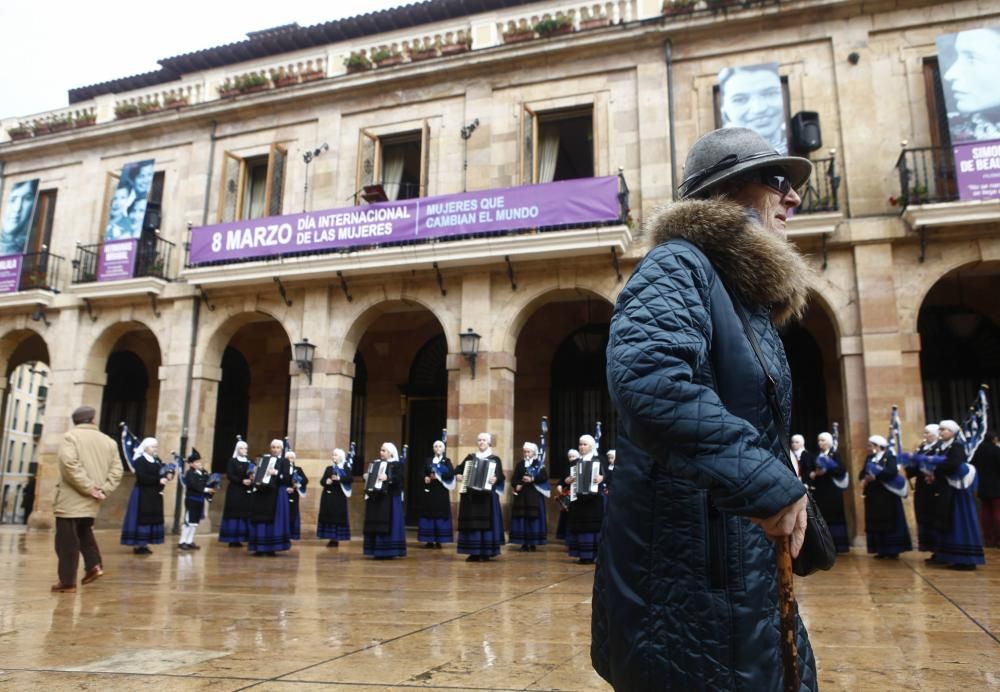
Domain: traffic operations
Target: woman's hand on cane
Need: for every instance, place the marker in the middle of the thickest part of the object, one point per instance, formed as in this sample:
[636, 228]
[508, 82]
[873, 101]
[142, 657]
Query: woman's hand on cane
[788, 521]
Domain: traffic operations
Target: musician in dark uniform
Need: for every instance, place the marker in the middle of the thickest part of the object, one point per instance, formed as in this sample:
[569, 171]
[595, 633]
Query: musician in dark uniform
[434, 525]
[480, 520]
[828, 479]
[143, 525]
[586, 512]
[295, 491]
[923, 491]
[562, 496]
[528, 523]
[334, 516]
[196, 492]
[385, 530]
[269, 514]
[802, 459]
[885, 522]
[235, 527]
[958, 539]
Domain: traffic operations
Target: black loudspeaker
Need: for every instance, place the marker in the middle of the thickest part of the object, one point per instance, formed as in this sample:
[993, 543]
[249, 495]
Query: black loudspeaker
[153, 218]
[806, 135]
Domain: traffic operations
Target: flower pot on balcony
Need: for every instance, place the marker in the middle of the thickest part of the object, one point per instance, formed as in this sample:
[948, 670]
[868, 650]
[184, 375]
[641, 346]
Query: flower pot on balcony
[389, 61]
[286, 80]
[148, 107]
[17, 133]
[175, 102]
[455, 48]
[673, 8]
[312, 75]
[418, 55]
[596, 23]
[60, 125]
[40, 128]
[85, 120]
[228, 92]
[254, 88]
[126, 110]
[518, 36]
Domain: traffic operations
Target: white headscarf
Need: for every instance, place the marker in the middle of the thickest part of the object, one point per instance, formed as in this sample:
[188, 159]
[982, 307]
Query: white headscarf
[393, 452]
[932, 428]
[951, 425]
[141, 449]
[825, 437]
[879, 441]
[593, 446]
[533, 448]
[236, 450]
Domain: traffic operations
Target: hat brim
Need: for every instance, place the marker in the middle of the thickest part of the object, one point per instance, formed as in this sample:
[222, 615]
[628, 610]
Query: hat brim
[797, 168]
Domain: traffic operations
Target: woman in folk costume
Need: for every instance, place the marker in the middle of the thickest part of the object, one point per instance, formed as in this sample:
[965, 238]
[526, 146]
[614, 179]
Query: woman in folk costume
[385, 530]
[802, 459]
[923, 488]
[269, 515]
[295, 491]
[434, 526]
[197, 493]
[562, 496]
[334, 516]
[884, 490]
[609, 473]
[528, 524]
[143, 525]
[586, 512]
[958, 541]
[235, 526]
[828, 479]
[480, 520]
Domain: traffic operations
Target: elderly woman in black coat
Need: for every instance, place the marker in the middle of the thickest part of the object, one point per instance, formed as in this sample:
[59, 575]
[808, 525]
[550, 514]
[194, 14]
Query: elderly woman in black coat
[686, 590]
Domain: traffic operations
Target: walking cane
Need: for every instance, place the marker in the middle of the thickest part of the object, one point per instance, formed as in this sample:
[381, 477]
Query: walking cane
[786, 602]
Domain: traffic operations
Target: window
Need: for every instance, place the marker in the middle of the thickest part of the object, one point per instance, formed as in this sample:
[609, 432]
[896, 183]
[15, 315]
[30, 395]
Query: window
[10, 456]
[31, 381]
[558, 144]
[17, 408]
[27, 417]
[397, 161]
[20, 377]
[20, 466]
[252, 187]
[41, 227]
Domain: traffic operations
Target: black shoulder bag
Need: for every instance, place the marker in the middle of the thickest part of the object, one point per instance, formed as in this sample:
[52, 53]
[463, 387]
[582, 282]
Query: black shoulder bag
[818, 551]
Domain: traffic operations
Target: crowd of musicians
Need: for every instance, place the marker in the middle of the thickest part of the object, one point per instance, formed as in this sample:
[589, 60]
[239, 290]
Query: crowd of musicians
[262, 496]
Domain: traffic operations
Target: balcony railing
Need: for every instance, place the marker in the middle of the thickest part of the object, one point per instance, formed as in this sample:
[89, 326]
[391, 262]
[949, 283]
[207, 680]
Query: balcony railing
[821, 191]
[41, 271]
[153, 255]
[926, 176]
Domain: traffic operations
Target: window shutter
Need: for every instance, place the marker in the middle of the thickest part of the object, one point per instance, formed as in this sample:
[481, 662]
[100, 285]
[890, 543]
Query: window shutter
[230, 187]
[274, 193]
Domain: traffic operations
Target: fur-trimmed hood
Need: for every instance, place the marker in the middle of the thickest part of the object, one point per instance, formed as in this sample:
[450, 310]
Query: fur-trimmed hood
[760, 267]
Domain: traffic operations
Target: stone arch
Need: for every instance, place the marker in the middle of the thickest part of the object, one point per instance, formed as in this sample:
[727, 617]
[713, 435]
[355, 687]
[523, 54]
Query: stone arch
[368, 312]
[516, 313]
[16, 342]
[104, 344]
[210, 350]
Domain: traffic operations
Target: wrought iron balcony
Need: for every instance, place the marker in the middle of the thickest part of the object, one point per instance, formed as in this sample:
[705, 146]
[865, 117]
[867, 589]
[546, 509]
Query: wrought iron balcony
[926, 176]
[821, 192]
[85, 264]
[152, 259]
[41, 271]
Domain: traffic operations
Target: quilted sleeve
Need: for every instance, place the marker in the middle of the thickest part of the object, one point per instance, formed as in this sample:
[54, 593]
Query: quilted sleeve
[660, 336]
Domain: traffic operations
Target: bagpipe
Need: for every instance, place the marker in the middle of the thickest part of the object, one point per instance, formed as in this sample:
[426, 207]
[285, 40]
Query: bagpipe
[438, 470]
[127, 448]
[344, 472]
[896, 485]
[830, 465]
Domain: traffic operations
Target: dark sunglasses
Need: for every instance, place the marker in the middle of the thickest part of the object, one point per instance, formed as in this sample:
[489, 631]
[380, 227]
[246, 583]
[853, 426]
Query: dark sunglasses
[774, 178]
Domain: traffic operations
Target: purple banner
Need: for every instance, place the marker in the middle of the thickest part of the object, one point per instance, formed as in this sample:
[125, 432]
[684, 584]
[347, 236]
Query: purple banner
[10, 273]
[116, 260]
[978, 167]
[569, 202]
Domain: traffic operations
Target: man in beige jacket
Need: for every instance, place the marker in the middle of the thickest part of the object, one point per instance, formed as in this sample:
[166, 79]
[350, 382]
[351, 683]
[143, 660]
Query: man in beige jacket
[89, 470]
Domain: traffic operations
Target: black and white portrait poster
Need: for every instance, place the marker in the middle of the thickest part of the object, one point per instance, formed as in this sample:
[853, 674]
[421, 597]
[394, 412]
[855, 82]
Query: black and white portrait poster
[752, 97]
[128, 201]
[18, 213]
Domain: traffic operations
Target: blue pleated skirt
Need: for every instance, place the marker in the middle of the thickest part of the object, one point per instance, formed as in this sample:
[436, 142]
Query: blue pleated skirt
[531, 531]
[392, 544]
[234, 531]
[840, 538]
[484, 543]
[134, 533]
[963, 544]
[892, 542]
[334, 532]
[435, 530]
[561, 526]
[272, 536]
[295, 525]
[582, 545]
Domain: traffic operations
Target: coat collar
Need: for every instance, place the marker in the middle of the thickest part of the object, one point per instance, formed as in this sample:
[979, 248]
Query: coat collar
[759, 267]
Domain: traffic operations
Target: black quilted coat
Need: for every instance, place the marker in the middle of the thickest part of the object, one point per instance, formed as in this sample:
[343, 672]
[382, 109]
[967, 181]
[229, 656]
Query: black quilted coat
[685, 593]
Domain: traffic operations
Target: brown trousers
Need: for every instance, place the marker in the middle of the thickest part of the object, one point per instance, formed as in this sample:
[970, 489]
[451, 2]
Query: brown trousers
[73, 537]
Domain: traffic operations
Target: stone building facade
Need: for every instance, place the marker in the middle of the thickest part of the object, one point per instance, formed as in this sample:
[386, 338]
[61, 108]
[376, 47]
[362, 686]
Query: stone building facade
[197, 354]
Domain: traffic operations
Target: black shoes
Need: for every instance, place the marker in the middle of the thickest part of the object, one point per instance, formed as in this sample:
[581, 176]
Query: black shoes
[332, 543]
[962, 568]
[428, 545]
[142, 550]
[236, 545]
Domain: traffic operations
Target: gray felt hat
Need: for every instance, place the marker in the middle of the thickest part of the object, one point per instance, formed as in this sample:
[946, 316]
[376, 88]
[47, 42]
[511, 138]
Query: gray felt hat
[728, 153]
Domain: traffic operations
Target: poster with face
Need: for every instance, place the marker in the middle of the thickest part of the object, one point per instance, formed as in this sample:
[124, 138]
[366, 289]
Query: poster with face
[752, 97]
[17, 216]
[128, 201]
[970, 62]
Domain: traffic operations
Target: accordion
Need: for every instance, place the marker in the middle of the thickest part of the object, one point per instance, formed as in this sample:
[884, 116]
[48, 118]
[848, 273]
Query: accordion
[478, 473]
[584, 473]
[373, 486]
[260, 475]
